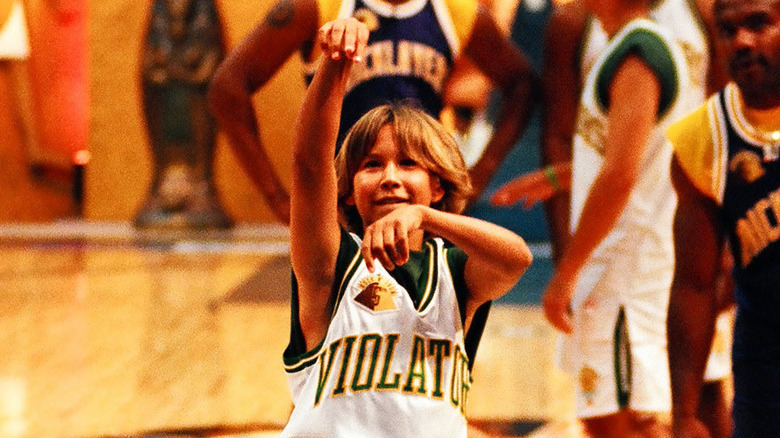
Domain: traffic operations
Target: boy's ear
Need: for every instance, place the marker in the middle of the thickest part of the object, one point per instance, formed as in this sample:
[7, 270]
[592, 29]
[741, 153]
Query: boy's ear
[437, 191]
[350, 200]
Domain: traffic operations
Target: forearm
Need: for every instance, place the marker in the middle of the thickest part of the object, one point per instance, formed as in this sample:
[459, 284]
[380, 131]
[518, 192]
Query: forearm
[314, 235]
[558, 206]
[690, 327]
[319, 118]
[605, 203]
[501, 253]
[313, 172]
[518, 102]
[557, 212]
[230, 103]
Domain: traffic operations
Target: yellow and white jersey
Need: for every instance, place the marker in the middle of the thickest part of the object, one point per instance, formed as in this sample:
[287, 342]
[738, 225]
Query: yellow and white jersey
[13, 31]
[683, 20]
[717, 140]
[641, 239]
[390, 365]
[737, 165]
[700, 144]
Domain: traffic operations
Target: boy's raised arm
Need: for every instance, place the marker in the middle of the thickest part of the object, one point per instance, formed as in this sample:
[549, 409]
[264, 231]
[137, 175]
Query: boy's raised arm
[314, 229]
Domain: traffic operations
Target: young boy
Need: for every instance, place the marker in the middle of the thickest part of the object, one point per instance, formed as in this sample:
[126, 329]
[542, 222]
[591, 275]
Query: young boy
[381, 311]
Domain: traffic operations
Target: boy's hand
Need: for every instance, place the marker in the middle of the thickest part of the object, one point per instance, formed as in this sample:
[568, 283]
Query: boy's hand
[345, 37]
[387, 239]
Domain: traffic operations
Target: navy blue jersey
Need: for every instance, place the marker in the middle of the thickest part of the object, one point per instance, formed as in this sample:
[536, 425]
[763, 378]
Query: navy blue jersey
[410, 54]
[750, 212]
[737, 166]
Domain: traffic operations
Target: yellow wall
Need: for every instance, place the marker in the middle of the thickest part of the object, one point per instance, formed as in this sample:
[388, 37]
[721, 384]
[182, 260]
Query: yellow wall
[120, 172]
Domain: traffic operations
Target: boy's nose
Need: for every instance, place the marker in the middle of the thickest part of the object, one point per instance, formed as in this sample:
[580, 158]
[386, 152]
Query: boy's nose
[390, 175]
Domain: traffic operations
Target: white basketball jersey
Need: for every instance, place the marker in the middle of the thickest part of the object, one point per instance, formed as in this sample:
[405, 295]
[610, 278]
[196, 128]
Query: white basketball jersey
[638, 251]
[387, 367]
[682, 19]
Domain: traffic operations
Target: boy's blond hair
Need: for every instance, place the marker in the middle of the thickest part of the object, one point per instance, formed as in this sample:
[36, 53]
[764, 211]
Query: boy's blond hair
[421, 138]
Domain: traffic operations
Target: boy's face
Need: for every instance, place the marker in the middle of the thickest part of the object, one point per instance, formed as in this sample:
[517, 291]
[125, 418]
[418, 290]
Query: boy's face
[387, 179]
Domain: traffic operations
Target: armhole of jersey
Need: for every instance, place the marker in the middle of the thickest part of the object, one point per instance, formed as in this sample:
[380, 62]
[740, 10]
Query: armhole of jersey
[585, 40]
[699, 149]
[655, 53]
[456, 263]
[457, 18]
[432, 275]
[295, 355]
[474, 334]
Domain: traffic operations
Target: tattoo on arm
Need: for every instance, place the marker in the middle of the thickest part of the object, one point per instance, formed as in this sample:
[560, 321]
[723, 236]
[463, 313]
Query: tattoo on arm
[281, 14]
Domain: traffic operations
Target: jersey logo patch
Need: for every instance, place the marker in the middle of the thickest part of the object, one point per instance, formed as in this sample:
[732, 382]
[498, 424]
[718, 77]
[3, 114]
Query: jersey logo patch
[587, 380]
[376, 293]
[367, 17]
[746, 166]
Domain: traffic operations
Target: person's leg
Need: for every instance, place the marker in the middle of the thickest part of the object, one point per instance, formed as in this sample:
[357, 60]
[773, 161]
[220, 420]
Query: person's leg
[715, 400]
[626, 424]
[714, 408]
[23, 104]
[609, 426]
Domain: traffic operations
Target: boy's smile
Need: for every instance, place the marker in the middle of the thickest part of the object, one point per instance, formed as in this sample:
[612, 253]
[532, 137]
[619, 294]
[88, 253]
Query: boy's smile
[387, 178]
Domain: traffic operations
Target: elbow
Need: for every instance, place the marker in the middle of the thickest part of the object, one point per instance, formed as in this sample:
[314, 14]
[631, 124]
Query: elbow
[524, 260]
[226, 92]
[520, 260]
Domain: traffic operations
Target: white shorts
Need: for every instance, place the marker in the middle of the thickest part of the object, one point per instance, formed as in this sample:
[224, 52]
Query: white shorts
[13, 34]
[617, 355]
[719, 361]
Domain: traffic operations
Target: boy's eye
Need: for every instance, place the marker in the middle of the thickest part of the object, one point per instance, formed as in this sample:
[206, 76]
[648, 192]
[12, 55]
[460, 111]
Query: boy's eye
[371, 164]
[408, 162]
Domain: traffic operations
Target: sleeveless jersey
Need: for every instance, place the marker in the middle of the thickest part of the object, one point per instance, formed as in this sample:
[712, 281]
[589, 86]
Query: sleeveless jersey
[409, 56]
[637, 254]
[683, 20]
[732, 163]
[390, 365]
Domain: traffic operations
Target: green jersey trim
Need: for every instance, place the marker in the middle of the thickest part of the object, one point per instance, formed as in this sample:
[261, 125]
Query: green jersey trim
[295, 356]
[432, 280]
[655, 53]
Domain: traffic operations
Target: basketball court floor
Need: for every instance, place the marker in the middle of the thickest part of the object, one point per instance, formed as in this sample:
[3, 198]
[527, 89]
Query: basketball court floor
[112, 332]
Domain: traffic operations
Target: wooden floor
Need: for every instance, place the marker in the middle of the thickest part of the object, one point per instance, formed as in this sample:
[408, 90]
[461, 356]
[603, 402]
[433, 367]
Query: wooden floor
[110, 332]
